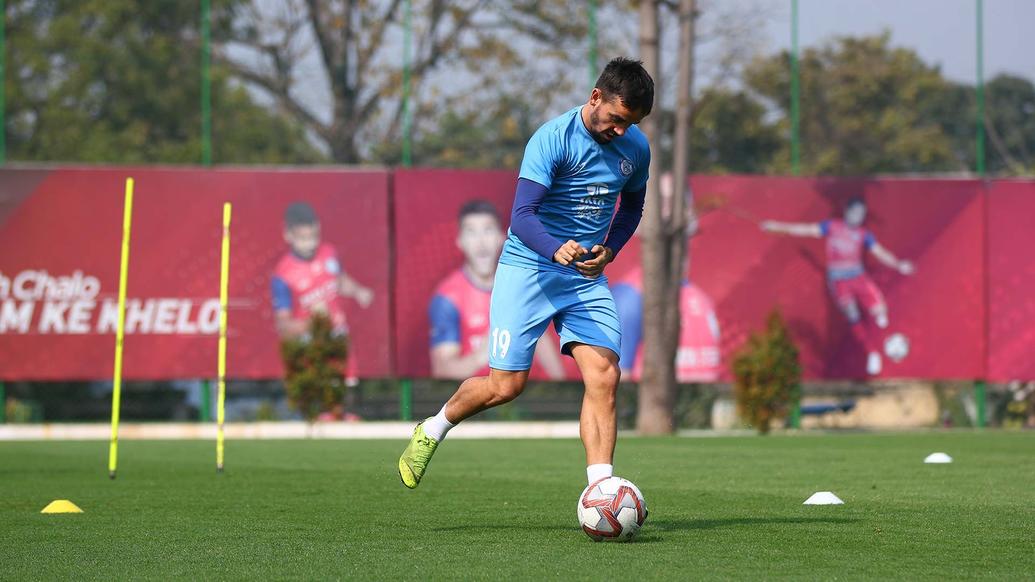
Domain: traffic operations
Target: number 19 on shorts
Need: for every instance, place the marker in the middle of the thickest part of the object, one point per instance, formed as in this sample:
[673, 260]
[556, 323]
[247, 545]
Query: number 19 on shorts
[500, 342]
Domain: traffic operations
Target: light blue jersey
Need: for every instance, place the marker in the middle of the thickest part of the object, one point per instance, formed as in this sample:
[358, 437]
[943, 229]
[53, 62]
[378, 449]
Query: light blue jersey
[584, 179]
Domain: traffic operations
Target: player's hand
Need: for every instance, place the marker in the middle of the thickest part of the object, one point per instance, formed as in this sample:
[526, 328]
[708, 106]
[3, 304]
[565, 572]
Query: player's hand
[906, 268]
[364, 296]
[594, 267]
[568, 252]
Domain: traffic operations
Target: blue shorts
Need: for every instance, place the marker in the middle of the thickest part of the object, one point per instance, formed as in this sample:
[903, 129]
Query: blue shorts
[525, 301]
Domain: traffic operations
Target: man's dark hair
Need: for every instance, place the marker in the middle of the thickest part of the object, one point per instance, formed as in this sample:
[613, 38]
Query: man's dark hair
[853, 201]
[478, 206]
[628, 80]
[300, 214]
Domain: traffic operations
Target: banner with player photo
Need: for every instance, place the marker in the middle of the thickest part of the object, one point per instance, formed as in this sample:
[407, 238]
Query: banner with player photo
[1011, 280]
[60, 239]
[921, 314]
[449, 229]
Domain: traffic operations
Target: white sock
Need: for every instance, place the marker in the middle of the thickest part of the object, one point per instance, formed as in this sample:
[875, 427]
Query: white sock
[437, 426]
[599, 471]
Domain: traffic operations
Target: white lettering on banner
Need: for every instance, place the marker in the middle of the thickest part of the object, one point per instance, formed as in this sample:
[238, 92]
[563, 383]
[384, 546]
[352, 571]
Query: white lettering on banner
[109, 319]
[139, 317]
[53, 318]
[208, 318]
[40, 285]
[183, 323]
[79, 317]
[69, 305]
[15, 317]
[161, 316]
[166, 314]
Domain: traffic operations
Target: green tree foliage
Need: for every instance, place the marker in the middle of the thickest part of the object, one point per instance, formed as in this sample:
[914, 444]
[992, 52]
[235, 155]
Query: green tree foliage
[313, 368]
[731, 133]
[493, 136]
[1010, 119]
[120, 81]
[353, 50]
[866, 107]
[767, 374]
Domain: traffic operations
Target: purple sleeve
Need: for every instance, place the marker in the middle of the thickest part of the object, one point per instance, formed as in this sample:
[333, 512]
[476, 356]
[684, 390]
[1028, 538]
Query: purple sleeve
[281, 294]
[824, 228]
[626, 220]
[445, 321]
[869, 240]
[524, 220]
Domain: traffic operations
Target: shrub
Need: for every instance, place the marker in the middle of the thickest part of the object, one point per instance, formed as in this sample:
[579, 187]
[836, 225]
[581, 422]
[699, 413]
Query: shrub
[767, 374]
[314, 368]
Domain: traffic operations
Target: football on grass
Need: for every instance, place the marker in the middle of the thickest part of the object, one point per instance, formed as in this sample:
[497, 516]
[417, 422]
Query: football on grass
[612, 510]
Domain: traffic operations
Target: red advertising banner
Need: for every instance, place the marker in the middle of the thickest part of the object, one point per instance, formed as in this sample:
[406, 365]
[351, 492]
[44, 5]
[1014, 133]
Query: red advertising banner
[907, 285]
[449, 229]
[1011, 275]
[60, 238]
[925, 324]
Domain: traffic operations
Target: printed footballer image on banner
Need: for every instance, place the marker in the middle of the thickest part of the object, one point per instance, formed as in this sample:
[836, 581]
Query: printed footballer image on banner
[303, 242]
[877, 278]
[698, 356]
[450, 229]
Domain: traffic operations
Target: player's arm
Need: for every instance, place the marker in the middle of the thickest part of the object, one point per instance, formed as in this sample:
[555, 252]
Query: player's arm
[805, 229]
[287, 326]
[349, 287]
[445, 354]
[525, 224]
[543, 155]
[448, 364]
[548, 354]
[887, 258]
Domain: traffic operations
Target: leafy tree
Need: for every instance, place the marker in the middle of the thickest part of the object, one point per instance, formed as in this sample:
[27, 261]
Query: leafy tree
[1010, 123]
[335, 66]
[492, 136]
[767, 374]
[867, 107]
[731, 133]
[119, 81]
[313, 368]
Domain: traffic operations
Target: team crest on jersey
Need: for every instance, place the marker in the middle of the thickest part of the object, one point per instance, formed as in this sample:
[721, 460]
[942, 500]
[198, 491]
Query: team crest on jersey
[332, 266]
[626, 167]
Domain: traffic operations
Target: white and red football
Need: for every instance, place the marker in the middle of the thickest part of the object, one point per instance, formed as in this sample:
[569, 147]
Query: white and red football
[612, 510]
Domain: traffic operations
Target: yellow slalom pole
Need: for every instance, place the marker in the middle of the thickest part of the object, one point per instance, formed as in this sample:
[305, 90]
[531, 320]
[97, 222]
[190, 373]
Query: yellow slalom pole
[127, 219]
[224, 275]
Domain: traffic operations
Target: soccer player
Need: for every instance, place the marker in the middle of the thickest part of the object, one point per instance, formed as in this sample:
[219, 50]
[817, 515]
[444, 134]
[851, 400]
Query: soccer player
[561, 238]
[459, 309]
[851, 288]
[309, 279]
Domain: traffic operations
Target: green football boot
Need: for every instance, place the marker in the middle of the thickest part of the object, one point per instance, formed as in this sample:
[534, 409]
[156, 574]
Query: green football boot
[414, 460]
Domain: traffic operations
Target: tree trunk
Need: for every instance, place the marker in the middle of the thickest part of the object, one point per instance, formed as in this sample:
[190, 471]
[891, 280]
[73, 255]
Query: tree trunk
[664, 234]
[654, 411]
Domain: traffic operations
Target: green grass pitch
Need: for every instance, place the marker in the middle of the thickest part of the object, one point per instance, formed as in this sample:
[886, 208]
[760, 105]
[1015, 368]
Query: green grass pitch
[726, 508]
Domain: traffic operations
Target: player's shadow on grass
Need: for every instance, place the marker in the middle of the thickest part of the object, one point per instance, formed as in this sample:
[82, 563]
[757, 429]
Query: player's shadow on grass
[682, 524]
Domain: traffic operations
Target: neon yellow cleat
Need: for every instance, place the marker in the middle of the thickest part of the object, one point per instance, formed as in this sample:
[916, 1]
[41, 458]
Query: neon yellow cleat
[414, 460]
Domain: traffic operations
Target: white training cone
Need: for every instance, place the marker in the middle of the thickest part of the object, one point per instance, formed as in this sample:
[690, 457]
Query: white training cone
[938, 458]
[823, 498]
